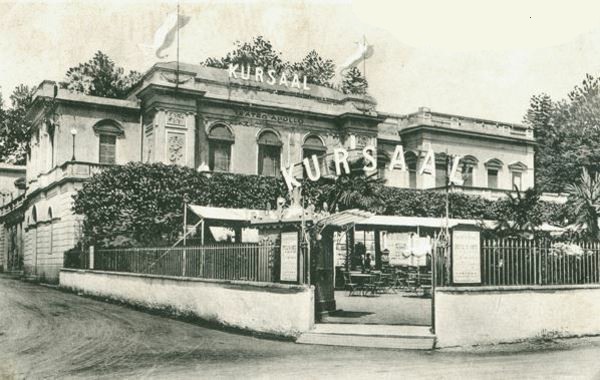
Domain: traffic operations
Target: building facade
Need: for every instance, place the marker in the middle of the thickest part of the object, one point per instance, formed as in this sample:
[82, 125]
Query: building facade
[240, 122]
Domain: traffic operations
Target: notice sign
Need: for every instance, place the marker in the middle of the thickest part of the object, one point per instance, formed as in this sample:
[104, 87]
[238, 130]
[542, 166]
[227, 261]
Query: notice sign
[289, 257]
[466, 257]
[399, 245]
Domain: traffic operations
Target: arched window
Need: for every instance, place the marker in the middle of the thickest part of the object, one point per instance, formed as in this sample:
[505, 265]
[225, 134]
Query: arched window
[313, 145]
[220, 139]
[493, 166]
[51, 238]
[269, 154]
[108, 131]
[467, 165]
[410, 158]
[34, 215]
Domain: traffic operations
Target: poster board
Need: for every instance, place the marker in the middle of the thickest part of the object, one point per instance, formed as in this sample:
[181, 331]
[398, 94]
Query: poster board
[289, 257]
[421, 248]
[399, 245]
[466, 256]
[339, 249]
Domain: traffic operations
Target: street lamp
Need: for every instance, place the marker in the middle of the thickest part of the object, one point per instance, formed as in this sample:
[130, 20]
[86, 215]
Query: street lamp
[73, 133]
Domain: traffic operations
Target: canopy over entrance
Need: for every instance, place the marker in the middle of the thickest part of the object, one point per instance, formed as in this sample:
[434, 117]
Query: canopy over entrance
[366, 220]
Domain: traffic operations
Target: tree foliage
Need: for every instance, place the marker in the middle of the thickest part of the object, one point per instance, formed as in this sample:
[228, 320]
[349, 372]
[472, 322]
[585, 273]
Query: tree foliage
[568, 135]
[585, 200]
[353, 82]
[15, 131]
[142, 204]
[100, 76]
[259, 52]
[518, 217]
[318, 70]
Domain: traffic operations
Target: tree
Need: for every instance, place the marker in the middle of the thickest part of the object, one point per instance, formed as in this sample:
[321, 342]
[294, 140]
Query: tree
[100, 77]
[519, 218]
[15, 131]
[353, 82]
[257, 53]
[585, 200]
[356, 189]
[141, 204]
[568, 135]
[318, 70]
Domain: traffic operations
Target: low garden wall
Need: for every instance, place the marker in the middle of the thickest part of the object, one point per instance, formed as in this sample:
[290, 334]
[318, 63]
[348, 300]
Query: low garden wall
[487, 315]
[277, 309]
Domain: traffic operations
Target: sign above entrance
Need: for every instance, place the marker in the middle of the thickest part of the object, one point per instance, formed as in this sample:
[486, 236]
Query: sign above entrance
[267, 76]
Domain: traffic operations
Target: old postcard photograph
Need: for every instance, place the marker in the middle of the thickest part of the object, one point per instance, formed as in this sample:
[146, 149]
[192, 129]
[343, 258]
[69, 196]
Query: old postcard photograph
[300, 189]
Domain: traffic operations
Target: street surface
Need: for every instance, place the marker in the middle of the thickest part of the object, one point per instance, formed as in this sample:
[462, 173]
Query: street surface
[45, 333]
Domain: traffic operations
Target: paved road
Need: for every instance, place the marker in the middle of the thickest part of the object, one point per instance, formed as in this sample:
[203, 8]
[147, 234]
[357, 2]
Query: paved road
[45, 333]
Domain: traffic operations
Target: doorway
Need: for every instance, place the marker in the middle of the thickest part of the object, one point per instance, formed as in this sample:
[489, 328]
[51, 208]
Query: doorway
[381, 276]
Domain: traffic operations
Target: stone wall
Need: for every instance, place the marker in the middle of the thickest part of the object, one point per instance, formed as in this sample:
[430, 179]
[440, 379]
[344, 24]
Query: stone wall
[278, 309]
[488, 315]
[46, 239]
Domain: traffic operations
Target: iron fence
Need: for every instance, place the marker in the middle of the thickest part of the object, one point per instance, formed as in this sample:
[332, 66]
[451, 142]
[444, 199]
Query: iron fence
[523, 262]
[250, 262]
[76, 259]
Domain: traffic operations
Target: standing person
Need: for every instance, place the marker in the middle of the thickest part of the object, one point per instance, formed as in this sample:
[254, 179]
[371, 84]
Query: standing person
[367, 264]
[359, 255]
[385, 259]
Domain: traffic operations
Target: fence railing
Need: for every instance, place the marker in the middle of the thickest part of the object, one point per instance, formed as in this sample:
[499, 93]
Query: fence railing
[250, 262]
[76, 259]
[522, 262]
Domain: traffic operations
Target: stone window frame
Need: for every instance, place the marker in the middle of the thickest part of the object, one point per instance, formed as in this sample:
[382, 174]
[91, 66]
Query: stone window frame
[517, 167]
[108, 127]
[493, 164]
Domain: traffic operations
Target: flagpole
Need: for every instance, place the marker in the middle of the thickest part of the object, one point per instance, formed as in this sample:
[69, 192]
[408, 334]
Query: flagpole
[177, 69]
[364, 59]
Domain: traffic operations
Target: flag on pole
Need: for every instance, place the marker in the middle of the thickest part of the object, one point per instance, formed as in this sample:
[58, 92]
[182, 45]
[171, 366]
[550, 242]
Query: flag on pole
[363, 52]
[167, 32]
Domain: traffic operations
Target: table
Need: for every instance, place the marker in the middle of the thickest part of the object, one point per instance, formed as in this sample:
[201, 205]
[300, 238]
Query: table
[365, 280]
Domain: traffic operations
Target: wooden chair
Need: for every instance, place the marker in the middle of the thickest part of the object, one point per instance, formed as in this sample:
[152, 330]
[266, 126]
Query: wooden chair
[412, 281]
[370, 287]
[350, 286]
[425, 280]
[378, 282]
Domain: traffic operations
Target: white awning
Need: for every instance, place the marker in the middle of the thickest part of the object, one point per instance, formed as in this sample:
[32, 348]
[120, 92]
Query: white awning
[414, 221]
[224, 214]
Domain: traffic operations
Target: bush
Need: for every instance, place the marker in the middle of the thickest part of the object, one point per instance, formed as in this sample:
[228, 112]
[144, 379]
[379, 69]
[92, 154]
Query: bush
[142, 204]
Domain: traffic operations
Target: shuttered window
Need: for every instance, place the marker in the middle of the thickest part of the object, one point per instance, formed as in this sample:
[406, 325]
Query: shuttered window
[108, 149]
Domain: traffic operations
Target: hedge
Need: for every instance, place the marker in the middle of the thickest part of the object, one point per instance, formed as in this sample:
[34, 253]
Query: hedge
[141, 204]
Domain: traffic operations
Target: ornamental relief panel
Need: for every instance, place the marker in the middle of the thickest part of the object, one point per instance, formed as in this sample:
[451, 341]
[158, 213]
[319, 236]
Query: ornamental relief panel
[176, 148]
[176, 118]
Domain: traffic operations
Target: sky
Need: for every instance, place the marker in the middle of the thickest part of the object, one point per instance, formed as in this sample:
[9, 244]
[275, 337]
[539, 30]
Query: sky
[467, 57]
